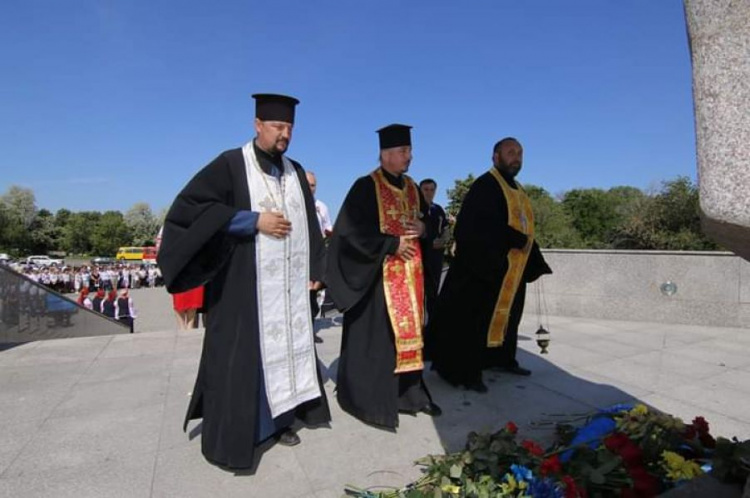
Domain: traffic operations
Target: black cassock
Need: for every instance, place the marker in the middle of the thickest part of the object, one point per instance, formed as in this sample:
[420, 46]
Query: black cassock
[366, 385]
[458, 328]
[196, 250]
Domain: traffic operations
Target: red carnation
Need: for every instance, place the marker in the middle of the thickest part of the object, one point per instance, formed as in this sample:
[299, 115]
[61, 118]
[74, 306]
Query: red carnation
[511, 427]
[616, 441]
[631, 454]
[690, 432]
[532, 448]
[700, 425]
[551, 465]
[571, 490]
[644, 484]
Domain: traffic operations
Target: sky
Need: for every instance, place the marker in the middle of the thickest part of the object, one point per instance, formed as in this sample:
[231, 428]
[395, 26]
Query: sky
[107, 103]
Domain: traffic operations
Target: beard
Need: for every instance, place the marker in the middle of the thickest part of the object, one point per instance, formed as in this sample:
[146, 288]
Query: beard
[511, 169]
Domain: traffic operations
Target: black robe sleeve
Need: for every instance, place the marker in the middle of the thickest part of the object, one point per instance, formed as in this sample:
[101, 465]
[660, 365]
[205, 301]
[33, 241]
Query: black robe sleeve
[357, 248]
[536, 266]
[194, 244]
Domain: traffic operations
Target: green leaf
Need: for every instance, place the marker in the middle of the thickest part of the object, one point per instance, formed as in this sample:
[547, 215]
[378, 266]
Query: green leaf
[609, 466]
[596, 477]
[456, 471]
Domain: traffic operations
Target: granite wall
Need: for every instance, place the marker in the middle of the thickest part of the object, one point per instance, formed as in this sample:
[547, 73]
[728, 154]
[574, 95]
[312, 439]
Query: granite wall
[719, 32]
[711, 288]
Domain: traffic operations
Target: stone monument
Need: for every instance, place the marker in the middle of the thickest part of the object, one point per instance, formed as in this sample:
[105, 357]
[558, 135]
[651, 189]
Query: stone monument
[719, 32]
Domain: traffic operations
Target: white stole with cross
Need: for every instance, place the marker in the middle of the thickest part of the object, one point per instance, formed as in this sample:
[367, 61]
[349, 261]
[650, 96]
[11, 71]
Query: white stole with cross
[283, 275]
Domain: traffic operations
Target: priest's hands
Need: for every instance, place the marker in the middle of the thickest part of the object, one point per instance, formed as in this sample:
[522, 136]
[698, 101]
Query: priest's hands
[274, 225]
[414, 228]
[407, 246]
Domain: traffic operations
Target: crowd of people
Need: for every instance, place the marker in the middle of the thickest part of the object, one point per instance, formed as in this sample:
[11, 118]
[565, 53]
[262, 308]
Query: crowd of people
[73, 279]
[100, 288]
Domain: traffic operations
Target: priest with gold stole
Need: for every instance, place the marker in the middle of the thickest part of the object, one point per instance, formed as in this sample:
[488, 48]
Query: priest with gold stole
[376, 277]
[475, 324]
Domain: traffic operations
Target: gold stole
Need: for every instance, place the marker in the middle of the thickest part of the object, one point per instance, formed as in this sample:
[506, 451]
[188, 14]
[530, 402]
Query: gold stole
[520, 217]
[403, 280]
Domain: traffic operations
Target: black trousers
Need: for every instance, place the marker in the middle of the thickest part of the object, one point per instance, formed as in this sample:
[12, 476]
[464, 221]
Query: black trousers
[127, 320]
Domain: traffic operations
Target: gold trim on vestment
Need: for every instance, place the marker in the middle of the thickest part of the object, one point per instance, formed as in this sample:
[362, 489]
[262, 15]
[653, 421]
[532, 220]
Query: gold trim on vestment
[520, 217]
[403, 280]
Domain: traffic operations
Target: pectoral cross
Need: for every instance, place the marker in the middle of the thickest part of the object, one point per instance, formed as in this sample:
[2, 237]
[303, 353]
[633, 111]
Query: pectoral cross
[268, 204]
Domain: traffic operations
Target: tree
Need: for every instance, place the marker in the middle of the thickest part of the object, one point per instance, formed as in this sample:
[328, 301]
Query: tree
[110, 233]
[593, 215]
[44, 235]
[5, 231]
[21, 203]
[455, 199]
[142, 223]
[627, 201]
[668, 220]
[553, 227]
[19, 211]
[457, 193]
[62, 217]
[79, 230]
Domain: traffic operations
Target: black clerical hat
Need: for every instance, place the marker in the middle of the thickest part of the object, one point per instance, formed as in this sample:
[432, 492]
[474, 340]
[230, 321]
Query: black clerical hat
[394, 135]
[273, 107]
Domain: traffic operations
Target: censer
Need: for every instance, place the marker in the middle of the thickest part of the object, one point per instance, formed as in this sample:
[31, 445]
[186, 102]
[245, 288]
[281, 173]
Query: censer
[542, 334]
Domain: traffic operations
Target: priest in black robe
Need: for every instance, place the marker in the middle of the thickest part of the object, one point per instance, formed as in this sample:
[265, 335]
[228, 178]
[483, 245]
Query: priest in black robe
[437, 237]
[376, 278]
[475, 324]
[218, 235]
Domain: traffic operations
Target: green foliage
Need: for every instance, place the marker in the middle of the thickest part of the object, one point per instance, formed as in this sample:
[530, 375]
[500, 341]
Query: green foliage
[457, 193]
[593, 215]
[44, 235]
[552, 224]
[668, 220]
[18, 213]
[110, 233]
[731, 461]
[77, 232]
[619, 218]
[25, 230]
[142, 223]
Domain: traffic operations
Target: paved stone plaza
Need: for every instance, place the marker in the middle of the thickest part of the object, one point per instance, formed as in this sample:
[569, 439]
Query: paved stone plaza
[102, 416]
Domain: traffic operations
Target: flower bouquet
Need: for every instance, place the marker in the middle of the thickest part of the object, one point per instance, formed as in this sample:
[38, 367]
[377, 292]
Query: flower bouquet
[628, 451]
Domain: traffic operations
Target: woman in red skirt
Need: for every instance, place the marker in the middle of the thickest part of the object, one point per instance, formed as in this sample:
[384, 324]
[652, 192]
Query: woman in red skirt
[186, 306]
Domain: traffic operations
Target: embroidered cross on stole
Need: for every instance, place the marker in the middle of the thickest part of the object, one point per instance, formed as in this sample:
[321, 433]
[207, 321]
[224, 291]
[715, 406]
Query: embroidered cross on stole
[520, 217]
[403, 280]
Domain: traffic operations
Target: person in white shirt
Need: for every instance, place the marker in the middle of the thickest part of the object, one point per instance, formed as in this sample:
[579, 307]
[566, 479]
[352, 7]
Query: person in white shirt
[324, 219]
[326, 229]
[124, 310]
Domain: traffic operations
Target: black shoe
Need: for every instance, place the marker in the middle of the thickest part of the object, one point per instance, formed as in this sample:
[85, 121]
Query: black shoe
[516, 370]
[431, 409]
[318, 340]
[477, 386]
[288, 438]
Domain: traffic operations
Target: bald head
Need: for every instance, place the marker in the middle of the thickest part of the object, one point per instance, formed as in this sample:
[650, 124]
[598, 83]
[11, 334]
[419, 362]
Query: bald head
[312, 181]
